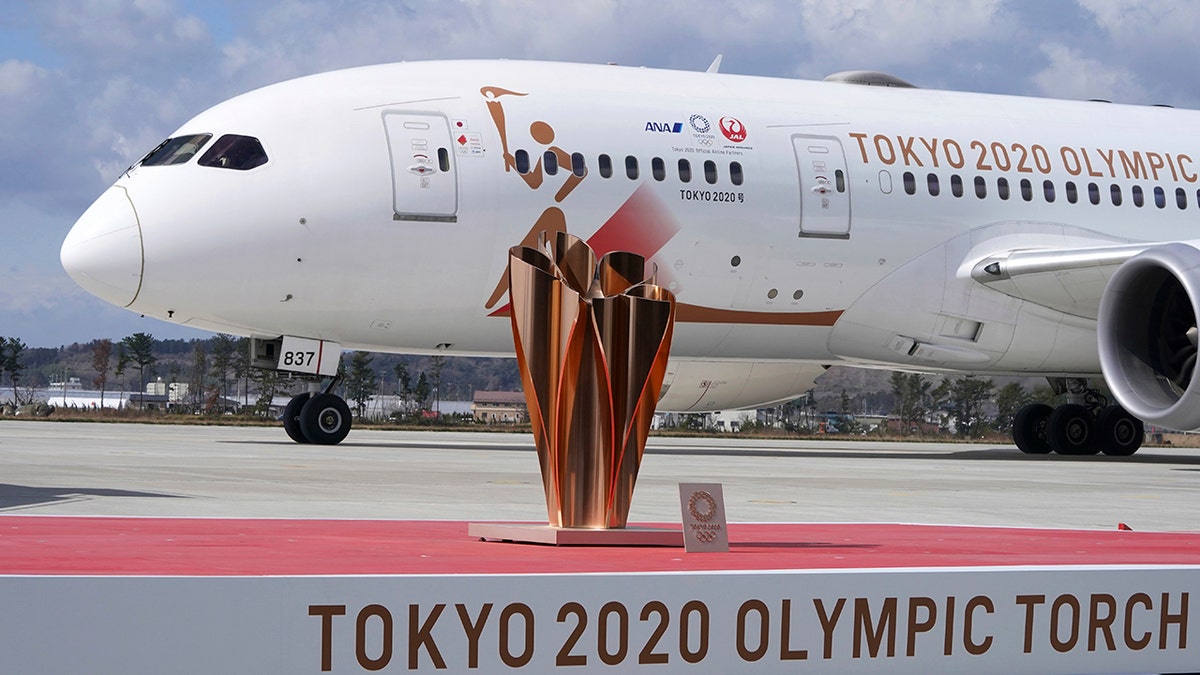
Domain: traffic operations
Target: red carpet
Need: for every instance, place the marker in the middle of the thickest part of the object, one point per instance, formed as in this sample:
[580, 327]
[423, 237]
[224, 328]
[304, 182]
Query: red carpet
[48, 545]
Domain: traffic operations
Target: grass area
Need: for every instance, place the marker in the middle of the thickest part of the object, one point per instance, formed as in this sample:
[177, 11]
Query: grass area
[156, 417]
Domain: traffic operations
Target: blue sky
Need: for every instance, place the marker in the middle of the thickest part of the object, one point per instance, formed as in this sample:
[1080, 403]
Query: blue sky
[89, 86]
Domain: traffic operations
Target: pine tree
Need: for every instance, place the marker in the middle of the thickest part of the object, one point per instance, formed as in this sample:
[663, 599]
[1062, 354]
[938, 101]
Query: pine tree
[139, 348]
[360, 381]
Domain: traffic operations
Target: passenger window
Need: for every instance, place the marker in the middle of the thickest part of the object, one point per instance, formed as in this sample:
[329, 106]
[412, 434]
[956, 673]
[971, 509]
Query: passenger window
[1160, 198]
[1048, 191]
[935, 187]
[1093, 193]
[175, 150]
[1002, 187]
[1072, 192]
[1026, 190]
[910, 183]
[521, 160]
[550, 163]
[956, 186]
[631, 167]
[736, 177]
[1114, 191]
[605, 163]
[685, 171]
[1138, 198]
[577, 165]
[1181, 198]
[658, 168]
[443, 159]
[980, 187]
[710, 171]
[232, 151]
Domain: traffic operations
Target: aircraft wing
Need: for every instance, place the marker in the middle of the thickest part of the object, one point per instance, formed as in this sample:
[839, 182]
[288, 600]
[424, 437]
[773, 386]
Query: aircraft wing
[1069, 280]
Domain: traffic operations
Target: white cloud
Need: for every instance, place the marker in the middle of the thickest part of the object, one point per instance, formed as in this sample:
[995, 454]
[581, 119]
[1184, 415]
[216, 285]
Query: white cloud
[25, 289]
[1072, 75]
[118, 33]
[875, 34]
[1152, 42]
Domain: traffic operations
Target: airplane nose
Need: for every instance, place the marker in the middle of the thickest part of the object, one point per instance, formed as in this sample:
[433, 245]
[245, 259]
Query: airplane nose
[103, 251]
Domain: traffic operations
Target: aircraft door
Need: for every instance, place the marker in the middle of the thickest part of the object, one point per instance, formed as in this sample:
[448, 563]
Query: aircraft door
[424, 184]
[824, 189]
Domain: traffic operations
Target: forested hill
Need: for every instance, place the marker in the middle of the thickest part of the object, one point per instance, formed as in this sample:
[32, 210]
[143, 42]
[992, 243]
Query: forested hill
[202, 360]
[222, 363]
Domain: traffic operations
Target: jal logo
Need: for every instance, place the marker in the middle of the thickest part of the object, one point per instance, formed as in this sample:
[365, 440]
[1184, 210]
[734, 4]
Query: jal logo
[733, 129]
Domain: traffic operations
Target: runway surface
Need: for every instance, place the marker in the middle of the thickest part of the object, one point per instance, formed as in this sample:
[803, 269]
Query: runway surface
[53, 468]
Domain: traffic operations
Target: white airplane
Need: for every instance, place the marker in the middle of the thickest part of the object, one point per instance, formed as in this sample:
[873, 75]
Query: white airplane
[800, 224]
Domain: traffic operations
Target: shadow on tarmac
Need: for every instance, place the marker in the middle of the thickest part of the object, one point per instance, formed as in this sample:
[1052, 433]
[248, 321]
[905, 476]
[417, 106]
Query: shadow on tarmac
[840, 451]
[983, 454]
[15, 497]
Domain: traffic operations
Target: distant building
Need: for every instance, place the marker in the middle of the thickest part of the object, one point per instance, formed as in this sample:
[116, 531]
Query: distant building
[71, 384]
[174, 391]
[499, 407]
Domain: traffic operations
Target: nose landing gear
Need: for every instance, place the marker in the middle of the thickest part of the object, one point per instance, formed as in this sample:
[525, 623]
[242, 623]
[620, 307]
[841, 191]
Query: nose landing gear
[319, 418]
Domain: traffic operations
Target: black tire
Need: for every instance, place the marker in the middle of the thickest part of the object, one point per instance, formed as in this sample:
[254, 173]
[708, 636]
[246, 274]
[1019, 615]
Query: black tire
[1121, 433]
[291, 418]
[1029, 428]
[1071, 431]
[325, 419]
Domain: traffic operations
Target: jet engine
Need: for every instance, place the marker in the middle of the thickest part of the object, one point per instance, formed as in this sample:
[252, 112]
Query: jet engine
[1147, 336]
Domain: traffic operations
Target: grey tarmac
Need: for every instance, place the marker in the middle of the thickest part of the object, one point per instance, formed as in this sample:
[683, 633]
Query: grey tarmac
[58, 468]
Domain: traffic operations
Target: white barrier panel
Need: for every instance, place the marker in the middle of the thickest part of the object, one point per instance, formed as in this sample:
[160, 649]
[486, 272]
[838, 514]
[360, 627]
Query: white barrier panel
[977, 620]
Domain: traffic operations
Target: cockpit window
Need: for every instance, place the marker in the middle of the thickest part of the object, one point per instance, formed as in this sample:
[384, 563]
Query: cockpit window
[175, 150]
[232, 151]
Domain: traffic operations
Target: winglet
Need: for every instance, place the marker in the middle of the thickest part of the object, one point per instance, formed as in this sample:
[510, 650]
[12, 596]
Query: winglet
[716, 65]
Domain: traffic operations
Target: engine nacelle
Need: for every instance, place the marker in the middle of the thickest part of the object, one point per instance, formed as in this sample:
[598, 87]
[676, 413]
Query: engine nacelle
[1146, 333]
[706, 386]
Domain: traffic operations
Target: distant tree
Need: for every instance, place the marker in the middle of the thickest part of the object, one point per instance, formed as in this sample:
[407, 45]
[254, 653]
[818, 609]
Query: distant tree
[122, 364]
[360, 381]
[139, 348]
[13, 355]
[222, 362]
[240, 363]
[403, 384]
[438, 362]
[965, 397]
[1011, 398]
[3, 359]
[199, 374]
[847, 424]
[101, 357]
[914, 400]
[422, 392]
[268, 383]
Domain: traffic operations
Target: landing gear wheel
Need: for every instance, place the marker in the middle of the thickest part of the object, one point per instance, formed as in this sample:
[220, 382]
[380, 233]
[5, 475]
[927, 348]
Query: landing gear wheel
[325, 419]
[1070, 430]
[291, 418]
[1121, 433]
[1029, 429]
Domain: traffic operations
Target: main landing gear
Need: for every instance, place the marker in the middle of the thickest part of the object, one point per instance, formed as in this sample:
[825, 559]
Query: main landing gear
[1085, 425]
[317, 417]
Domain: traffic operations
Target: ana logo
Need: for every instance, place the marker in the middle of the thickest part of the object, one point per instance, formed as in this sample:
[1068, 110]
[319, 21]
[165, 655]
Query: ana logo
[665, 127]
[733, 129]
[699, 124]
